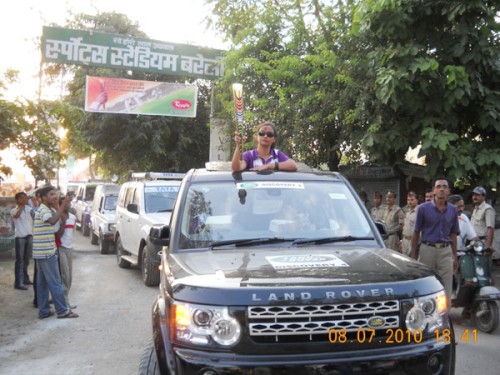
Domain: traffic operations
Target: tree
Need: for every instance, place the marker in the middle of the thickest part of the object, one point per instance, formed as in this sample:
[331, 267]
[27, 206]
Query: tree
[296, 60]
[123, 143]
[438, 81]
[29, 127]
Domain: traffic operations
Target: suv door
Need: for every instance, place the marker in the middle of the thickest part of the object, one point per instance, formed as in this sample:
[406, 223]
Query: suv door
[79, 206]
[129, 219]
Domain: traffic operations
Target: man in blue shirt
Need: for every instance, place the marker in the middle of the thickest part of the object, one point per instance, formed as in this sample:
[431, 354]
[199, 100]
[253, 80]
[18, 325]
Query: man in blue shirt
[436, 228]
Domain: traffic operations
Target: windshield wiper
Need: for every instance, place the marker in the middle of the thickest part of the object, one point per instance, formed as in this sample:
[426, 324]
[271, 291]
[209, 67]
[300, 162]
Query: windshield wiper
[250, 241]
[317, 241]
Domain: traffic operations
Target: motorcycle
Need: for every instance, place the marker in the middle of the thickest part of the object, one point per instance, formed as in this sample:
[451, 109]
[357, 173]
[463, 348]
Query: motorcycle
[474, 290]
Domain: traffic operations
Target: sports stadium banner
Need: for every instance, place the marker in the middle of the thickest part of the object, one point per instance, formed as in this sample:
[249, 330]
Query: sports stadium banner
[67, 46]
[117, 95]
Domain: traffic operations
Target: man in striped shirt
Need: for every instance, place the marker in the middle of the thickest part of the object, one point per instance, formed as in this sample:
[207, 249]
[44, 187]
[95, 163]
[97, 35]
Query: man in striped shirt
[45, 253]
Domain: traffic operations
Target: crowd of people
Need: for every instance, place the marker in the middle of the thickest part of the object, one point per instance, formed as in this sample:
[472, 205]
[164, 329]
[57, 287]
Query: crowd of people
[43, 232]
[435, 230]
[432, 232]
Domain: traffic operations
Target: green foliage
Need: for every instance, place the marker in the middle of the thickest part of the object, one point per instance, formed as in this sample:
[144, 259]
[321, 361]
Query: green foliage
[29, 127]
[296, 60]
[438, 80]
[369, 79]
[347, 80]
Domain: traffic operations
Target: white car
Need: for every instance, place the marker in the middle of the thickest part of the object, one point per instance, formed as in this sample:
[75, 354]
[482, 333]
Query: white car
[143, 203]
[102, 216]
[82, 204]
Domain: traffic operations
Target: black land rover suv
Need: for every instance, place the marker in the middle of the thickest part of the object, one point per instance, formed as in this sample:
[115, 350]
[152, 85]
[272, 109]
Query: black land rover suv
[285, 273]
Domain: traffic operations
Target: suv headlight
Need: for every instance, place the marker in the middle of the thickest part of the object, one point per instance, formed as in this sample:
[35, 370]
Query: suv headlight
[203, 325]
[427, 313]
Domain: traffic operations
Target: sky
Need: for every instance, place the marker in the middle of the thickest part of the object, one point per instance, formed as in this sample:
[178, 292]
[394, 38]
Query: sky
[177, 21]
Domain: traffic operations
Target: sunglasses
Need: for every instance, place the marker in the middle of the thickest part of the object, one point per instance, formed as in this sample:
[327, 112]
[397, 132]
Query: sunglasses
[268, 134]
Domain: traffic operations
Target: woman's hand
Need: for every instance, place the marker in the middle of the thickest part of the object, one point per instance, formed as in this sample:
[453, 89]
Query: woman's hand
[239, 139]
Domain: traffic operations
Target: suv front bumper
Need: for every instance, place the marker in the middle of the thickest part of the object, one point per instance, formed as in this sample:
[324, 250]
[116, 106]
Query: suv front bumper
[421, 359]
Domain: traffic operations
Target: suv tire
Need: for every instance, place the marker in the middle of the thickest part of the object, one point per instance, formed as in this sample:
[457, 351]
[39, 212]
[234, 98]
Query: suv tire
[103, 245]
[93, 238]
[85, 228]
[149, 361]
[150, 271]
[122, 263]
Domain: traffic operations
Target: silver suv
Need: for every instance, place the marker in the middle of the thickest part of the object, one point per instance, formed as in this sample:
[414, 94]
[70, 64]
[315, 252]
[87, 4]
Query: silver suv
[143, 203]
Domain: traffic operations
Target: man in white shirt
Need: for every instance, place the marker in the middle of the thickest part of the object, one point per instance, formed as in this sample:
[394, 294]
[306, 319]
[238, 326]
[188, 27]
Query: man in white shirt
[23, 222]
[467, 232]
[65, 251]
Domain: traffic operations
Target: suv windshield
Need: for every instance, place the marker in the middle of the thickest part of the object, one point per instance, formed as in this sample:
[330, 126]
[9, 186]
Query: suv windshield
[89, 192]
[110, 202]
[287, 210]
[159, 198]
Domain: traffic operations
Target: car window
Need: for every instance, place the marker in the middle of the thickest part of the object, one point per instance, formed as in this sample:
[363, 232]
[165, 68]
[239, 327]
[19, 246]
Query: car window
[310, 209]
[122, 197]
[89, 193]
[81, 191]
[129, 196]
[160, 198]
[110, 203]
[136, 199]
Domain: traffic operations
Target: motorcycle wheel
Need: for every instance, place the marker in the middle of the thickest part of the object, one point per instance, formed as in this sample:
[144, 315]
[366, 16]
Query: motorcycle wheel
[485, 316]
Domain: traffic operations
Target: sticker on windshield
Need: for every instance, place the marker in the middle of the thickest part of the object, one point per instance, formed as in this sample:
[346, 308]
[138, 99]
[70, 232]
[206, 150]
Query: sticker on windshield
[284, 262]
[337, 196]
[161, 189]
[269, 185]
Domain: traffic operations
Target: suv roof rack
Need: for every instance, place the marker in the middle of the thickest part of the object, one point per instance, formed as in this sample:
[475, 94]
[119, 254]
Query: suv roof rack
[218, 166]
[157, 176]
[226, 166]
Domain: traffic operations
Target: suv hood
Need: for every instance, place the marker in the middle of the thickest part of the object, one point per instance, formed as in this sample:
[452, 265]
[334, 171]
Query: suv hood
[109, 216]
[158, 217]
[297, 276]
[294, 266]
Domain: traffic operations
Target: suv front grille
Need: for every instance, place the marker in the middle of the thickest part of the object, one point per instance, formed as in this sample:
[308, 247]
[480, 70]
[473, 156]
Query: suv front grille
[311, 322]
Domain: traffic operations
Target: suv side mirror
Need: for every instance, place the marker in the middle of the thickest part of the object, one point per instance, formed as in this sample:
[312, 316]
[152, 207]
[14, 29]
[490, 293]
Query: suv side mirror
[159, 235]
[132, 207]
[382, 229]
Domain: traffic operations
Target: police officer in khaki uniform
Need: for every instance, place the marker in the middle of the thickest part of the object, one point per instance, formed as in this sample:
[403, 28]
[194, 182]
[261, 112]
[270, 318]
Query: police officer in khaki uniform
[409, 223]
[394, 219]
[377, 211]
[483, 217]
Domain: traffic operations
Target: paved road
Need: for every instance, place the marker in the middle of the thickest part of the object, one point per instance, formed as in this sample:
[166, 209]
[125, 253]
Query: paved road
[108, 337]
[482, 356]
[114, 324]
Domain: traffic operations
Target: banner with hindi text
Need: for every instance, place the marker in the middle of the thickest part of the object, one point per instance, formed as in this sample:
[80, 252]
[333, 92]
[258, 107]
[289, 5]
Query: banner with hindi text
[80, 47]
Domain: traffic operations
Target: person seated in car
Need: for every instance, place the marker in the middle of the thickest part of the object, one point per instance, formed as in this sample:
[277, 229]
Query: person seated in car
[264, 156]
